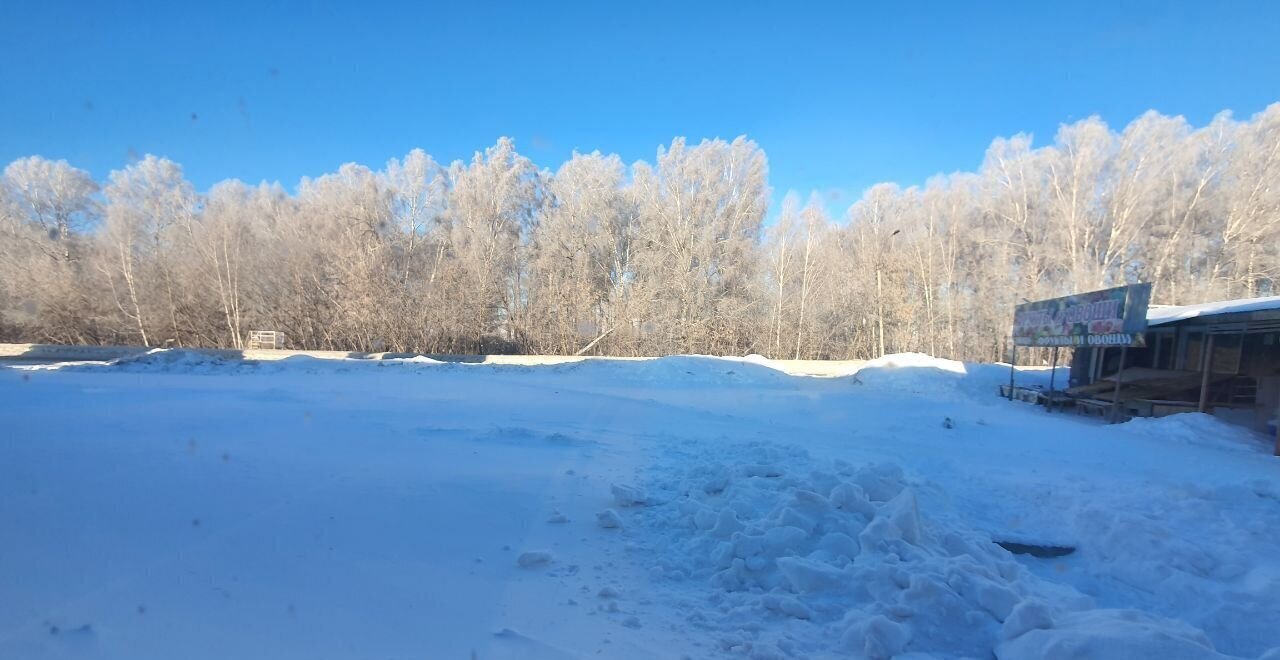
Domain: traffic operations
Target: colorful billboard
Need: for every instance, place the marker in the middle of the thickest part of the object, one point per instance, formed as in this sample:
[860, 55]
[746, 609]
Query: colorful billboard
[1112, 317]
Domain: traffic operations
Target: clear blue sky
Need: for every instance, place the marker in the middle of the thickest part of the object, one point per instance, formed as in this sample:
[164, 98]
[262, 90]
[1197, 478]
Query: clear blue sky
[840, 95]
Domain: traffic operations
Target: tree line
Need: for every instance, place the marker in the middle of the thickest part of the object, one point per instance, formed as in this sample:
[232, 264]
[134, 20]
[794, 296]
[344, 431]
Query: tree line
[674, 256]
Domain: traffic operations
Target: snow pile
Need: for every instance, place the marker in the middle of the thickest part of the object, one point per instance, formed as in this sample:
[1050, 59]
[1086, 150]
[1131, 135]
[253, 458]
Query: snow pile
[838, 558]
[1104, 634]
[175, 360]
[684, 370]
[1197, 429]
[843, 550]
[412, 359]
[1200, 553]
[200, 361]
[912, 373]
[917, 373]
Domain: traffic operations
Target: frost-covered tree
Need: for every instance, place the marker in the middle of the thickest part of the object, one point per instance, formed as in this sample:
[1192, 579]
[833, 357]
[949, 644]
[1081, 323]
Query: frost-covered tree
[494, 203]
[580, 257]
[679, 255]
[146, 203]
[700, 213]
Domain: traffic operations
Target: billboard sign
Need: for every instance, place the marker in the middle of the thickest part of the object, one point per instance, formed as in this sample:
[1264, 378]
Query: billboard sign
[1112, 317]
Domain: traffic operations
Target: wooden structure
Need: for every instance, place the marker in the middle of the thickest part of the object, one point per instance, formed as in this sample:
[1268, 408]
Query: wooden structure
[260, 339]
[1222, 358]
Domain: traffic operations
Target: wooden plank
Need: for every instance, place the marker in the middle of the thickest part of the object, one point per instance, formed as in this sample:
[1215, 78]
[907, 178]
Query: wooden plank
[1092, 406]
[1136, 374]
[1207, 360]
[1115, 395]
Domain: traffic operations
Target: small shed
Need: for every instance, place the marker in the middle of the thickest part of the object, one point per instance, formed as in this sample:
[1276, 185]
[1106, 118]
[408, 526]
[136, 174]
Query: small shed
[1220, 357]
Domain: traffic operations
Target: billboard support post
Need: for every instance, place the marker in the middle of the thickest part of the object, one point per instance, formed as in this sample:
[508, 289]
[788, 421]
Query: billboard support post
[1013, 361]
[1053, 373]
[1115, 394]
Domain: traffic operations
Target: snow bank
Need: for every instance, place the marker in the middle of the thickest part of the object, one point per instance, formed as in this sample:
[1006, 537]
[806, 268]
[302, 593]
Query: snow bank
[1203, 553]
[174, 360]
[681, 370]
[200, 361]
[917, 373]
[413, 359]
[1197, 429]
[1110, 634]
[684, 370]
[905, 373]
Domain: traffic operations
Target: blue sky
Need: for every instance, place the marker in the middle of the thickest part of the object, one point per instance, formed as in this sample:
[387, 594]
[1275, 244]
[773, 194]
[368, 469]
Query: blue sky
[841, 95]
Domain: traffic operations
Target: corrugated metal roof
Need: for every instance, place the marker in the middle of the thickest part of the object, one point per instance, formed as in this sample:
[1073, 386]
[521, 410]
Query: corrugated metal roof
[1162, 315]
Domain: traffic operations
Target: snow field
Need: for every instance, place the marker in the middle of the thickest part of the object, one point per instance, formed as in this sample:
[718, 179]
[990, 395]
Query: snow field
[679, 507]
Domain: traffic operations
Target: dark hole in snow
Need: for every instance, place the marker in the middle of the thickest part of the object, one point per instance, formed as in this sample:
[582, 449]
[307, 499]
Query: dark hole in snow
[1041, 551]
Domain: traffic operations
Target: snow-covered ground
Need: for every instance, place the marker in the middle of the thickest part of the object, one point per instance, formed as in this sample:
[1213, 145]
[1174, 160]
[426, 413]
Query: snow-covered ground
[178, 506]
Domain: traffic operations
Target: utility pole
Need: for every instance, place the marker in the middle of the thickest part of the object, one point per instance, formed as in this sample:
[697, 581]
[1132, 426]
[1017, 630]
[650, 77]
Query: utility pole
[880, 288]
[880, 307]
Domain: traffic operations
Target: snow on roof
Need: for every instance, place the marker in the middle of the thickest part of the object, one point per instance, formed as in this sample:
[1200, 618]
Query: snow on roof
[1168, 314]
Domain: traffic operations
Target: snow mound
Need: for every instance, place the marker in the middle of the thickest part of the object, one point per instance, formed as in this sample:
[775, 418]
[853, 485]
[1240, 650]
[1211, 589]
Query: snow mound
[842, 549]
[209, 361]
[1196, 429]
[793, 556]
[917, 373]
[1199, 552]
[679, 370]
[1111, 634]
[412, 359]
[175, 360]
